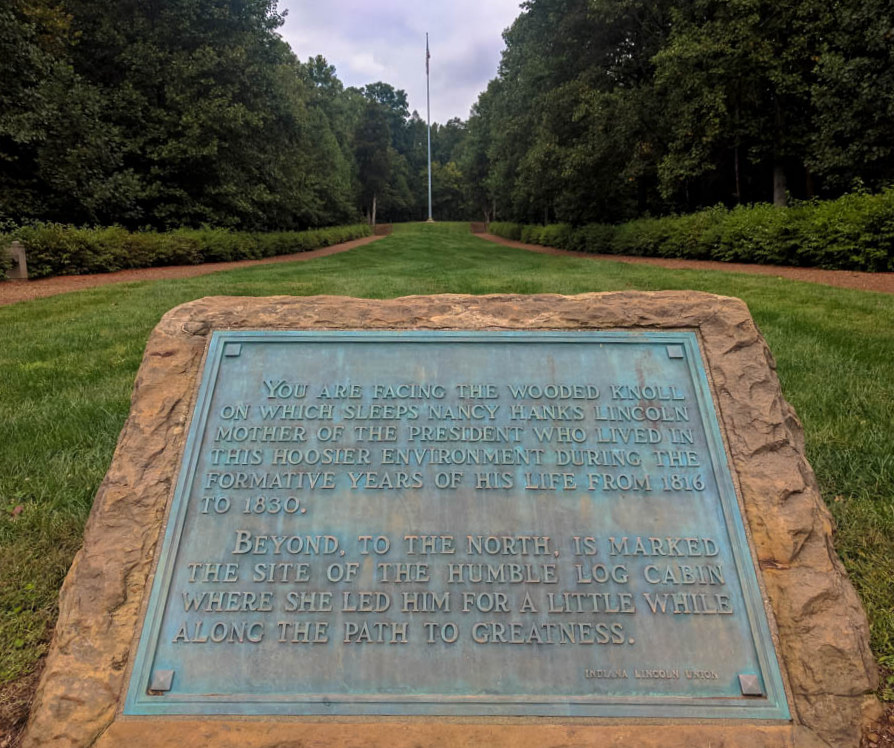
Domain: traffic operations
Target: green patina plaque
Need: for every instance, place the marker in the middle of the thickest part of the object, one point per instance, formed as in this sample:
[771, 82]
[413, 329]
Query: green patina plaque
[456, 523]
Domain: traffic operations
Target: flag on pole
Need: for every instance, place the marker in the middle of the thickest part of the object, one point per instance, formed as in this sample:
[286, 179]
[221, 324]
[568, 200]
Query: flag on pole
[428, 120]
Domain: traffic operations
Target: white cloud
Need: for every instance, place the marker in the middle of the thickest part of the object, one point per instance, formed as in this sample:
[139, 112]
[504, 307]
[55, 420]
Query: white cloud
[366, 64]
[370, 40]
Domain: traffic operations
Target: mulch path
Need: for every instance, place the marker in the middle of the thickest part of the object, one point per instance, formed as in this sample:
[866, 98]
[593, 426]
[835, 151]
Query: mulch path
[12, 292]
[881, 282]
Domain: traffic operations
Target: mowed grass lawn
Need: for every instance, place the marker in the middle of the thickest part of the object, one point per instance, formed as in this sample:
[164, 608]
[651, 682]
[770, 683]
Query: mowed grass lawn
[67, 366]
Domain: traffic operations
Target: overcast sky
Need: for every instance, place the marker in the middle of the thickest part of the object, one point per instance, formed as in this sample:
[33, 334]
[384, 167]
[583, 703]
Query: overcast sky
[384, 40]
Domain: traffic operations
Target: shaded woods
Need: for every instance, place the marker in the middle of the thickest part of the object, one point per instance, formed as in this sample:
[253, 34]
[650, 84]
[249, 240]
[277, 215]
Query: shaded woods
[604, 110]
[173, 113]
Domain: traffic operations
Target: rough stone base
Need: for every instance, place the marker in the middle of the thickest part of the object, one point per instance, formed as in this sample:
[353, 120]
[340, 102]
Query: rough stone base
[823, 639]
[497, 734]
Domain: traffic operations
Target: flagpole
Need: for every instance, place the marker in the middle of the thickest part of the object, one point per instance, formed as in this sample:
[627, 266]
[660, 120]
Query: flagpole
[428, 107]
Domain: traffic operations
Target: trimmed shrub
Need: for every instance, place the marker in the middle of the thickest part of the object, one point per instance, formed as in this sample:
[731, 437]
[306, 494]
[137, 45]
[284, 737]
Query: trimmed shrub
[694, 235]
[530, 234]
[5, 259]
[223, 245]
[56, 249]
[505, 229]
[876, 246]
[556, 235]
[598, 238]
[643, 237]
[753, 233]
[854, 232]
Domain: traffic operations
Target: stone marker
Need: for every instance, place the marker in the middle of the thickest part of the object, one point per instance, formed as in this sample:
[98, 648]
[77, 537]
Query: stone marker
[495, 520]
[19, 268]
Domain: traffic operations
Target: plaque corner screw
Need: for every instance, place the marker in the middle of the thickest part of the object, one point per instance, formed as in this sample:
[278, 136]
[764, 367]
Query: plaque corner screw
[675, 351]
[750, 685]
[161, 681]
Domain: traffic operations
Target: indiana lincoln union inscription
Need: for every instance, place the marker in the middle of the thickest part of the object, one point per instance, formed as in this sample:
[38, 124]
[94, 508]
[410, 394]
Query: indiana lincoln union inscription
[458, 523]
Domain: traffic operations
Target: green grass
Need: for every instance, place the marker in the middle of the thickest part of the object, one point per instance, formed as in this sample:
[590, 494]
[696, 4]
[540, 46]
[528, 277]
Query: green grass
[67, 366]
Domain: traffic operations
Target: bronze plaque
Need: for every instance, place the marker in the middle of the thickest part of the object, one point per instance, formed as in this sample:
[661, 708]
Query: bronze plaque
[460, 523]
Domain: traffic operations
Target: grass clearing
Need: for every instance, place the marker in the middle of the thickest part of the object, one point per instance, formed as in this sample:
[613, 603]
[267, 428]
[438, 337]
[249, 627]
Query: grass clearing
[67, 366]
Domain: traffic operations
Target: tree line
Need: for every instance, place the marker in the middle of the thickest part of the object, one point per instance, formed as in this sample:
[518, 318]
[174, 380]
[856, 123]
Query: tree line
[604, 110]
[169, 113]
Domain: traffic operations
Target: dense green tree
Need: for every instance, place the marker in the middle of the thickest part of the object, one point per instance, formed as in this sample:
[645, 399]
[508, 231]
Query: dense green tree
[375, 158]
[399, 197]
[853, 96]
[34, 46]
[399, 203]
[474, 160]
[449, 202]
[578, 133]
[393, 103]
[736, 75]
[332, 120]
[603, 110]
[447, 139]
[59, 155]
[169, 112]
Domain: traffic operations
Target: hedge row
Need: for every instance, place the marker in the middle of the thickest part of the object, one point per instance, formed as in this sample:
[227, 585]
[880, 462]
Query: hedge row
[855, 232]
[57, 249]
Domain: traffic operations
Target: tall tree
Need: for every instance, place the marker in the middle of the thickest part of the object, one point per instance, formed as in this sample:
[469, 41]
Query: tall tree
[60, 157]
[579, 136]
[374, 157]
[396, 198]
[853, 96]
[737, 76]
[212, 110]
[475, 160]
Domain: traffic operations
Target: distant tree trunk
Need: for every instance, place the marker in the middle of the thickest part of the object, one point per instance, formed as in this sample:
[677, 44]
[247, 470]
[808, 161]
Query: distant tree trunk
[809, 187]
[372, 214]
[779, 197]
[779, 186]
[736, 158]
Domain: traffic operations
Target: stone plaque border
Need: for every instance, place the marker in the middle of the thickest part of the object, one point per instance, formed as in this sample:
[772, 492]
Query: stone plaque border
[823, 636]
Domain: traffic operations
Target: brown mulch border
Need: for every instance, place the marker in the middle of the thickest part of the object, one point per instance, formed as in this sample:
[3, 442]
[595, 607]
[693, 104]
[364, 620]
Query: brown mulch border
[880, 282]
[12, 292]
